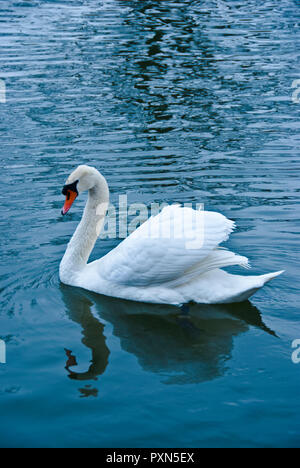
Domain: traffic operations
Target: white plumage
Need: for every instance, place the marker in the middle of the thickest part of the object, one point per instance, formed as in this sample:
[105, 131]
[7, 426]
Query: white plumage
[172, 258]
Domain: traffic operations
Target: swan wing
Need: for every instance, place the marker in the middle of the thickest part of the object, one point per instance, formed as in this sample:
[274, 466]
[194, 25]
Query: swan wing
[166, 248]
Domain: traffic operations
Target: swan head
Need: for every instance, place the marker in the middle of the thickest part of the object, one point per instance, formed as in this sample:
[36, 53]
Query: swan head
[81, 179]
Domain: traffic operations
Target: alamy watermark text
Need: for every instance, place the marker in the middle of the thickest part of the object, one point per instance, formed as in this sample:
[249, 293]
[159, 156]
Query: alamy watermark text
[2, 352]
[2, 92]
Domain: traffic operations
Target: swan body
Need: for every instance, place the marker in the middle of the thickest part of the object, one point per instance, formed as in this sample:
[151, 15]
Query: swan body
[151, 265]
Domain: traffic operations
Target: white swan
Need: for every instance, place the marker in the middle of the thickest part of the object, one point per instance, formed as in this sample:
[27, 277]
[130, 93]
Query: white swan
[149, 266]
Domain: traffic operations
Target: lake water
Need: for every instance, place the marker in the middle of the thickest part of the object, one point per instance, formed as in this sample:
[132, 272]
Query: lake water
[188, 101]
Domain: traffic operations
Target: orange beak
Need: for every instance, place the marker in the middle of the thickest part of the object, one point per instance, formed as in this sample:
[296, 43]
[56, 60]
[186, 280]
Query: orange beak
[70, 197]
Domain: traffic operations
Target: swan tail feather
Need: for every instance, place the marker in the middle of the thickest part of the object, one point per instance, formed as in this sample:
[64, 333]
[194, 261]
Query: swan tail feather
[269, 276]
[254, 284]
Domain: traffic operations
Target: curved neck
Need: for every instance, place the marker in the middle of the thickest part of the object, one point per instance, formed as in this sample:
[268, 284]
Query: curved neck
[88, 230]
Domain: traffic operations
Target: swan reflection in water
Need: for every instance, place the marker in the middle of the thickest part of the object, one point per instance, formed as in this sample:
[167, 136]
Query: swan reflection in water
[182, 349]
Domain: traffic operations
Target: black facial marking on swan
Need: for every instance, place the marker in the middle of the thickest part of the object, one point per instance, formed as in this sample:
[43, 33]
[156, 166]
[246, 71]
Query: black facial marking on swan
[68, 187]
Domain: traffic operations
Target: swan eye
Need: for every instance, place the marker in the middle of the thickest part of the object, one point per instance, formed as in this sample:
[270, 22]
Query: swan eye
[70, 187]
[70, 191]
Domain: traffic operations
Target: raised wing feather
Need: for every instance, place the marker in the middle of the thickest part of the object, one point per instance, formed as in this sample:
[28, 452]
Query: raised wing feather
[165, 247]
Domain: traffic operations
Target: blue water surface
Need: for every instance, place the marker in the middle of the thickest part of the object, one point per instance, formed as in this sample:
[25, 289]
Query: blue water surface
[173, 101]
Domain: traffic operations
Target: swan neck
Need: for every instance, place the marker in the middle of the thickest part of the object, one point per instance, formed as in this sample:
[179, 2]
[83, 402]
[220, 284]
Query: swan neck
[87, 232]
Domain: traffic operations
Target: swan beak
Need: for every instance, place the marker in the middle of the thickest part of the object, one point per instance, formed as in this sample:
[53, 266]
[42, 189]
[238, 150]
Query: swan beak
[70, 197]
